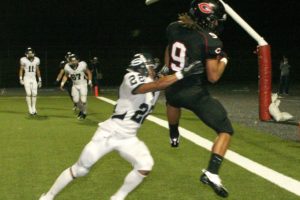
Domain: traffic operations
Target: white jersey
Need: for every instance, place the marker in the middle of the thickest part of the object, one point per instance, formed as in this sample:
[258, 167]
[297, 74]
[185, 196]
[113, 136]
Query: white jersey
[30, 67]
[77, 75]
[131, 109]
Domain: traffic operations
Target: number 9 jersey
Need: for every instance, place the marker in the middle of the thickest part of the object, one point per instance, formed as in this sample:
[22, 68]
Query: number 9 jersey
[131, 109]
[187, 45]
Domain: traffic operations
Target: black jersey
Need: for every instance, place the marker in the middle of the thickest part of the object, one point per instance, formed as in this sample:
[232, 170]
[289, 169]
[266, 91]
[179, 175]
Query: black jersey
[62, 64]
[187, 45]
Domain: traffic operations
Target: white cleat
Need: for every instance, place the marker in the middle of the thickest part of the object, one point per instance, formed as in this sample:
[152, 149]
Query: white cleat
[214, 181]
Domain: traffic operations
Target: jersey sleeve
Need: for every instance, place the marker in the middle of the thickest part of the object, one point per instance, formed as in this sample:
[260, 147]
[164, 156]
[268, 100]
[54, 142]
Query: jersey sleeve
[133, 80]
[22, 61]
[84, 65]
[38, 62]
[214, 46]
[62, 64]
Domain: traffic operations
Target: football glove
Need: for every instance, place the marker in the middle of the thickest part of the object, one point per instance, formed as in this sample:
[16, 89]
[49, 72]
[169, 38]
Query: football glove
[194, 68]
[21, 81]
[90, 83]
[40, 84]
[163, 71]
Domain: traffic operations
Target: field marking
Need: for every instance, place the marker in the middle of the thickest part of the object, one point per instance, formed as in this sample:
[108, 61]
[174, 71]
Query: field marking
[283, 181]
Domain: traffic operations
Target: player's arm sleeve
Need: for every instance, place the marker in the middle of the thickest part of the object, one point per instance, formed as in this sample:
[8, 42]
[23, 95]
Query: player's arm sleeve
[22, 64]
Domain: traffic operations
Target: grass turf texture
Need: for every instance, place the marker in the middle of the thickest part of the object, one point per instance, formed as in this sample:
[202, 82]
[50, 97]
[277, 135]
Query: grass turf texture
[35, 150]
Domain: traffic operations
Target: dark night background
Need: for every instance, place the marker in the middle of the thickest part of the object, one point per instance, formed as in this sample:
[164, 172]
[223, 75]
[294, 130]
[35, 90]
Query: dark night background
[114, 29]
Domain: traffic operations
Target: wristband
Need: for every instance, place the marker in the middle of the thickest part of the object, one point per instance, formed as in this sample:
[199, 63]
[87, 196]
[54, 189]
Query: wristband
[62, 84]
[179, 75]
[21, 78]
[90, 82]
[40, 79]
[224, 60]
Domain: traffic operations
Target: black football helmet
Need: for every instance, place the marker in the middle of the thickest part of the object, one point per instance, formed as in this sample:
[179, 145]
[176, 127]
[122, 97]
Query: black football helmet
[67, 56]
[141, 63]
[207, 12]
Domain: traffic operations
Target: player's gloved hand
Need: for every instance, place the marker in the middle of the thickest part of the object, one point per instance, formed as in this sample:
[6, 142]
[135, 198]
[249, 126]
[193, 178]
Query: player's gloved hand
[40, 82]
[163, 71]
[194, 68]
[90, 83]
[223, 57]
[21, 81]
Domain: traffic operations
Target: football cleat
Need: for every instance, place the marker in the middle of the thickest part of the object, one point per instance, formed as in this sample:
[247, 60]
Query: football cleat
[214, 181]
[174, 142]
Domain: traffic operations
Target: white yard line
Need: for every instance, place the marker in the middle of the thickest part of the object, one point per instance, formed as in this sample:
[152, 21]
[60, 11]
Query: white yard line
[283, 181]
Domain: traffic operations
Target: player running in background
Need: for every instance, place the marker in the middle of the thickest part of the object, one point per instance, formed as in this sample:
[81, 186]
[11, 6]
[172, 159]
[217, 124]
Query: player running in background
[68, 84]
[137, 97]
[78, 71]
[29, 70]
[195, 36]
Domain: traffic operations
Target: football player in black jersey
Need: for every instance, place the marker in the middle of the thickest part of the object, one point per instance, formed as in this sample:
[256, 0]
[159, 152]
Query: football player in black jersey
[68, 84]
[195, 37]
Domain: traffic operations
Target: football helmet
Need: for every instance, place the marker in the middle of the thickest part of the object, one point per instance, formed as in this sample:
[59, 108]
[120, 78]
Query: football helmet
[141, 63]
[73, 61]
[67, 56]
[29, 52]
[209, 14]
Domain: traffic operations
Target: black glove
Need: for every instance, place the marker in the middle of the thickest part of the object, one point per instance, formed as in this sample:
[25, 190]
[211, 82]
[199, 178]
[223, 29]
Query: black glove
[163, 71]
[194, 68]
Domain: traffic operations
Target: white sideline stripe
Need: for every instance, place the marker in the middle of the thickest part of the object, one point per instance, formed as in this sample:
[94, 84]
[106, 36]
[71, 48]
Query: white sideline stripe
[283, 181]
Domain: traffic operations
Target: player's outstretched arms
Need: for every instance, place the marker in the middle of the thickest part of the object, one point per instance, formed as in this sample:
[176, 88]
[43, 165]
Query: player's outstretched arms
[165, 81]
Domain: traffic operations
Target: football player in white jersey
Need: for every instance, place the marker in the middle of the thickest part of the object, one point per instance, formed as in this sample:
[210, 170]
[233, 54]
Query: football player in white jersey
[29, 70]
[68, 83]
[137, 95]
[77, 71]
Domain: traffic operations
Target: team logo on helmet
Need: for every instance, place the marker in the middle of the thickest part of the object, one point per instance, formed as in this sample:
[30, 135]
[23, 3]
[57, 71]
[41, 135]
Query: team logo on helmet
[205, 8]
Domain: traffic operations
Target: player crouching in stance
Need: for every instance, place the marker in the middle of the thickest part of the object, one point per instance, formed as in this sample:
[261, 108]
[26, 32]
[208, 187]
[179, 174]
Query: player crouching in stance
[137, 96]
[77, 71]
[30, 66]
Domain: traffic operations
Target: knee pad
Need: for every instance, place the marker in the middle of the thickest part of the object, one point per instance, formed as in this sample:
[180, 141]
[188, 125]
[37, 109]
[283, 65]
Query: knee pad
[83, 99]
[145, 165]
[79, 171]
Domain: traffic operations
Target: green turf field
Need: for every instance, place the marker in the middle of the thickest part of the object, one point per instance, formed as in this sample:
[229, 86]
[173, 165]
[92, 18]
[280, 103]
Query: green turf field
[35, 150]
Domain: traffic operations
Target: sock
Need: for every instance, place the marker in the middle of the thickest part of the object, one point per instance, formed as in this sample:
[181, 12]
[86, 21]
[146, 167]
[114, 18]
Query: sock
[132, 180]
[28, 100]
[61, 182]
[84, 106]
[80, 106]
[173, 129]
[33, 99]
[215, 163]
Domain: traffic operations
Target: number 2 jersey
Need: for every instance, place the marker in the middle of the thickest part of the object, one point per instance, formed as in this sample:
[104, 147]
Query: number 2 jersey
[30, 67]
[131, 109]
[77, 75]
[188, 45]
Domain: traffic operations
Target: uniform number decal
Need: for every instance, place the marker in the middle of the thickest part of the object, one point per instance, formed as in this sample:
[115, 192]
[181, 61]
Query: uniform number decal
[178, 56]
[133, 81]
[141, 114]
[75, 77]
[31, 68]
